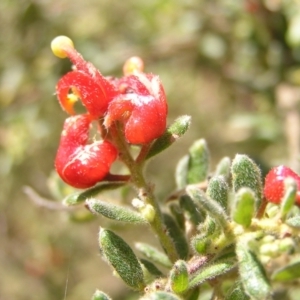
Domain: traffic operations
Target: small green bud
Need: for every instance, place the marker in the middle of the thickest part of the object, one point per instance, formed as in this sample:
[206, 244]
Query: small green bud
[179, 277]
[201, 243]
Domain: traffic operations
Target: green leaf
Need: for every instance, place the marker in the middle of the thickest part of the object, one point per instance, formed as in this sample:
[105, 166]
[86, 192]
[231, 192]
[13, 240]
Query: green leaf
[252, 273]
[245, 173]
[192, 212]
[99, 295]
[177, 236]
[288, 200]
[80, 197]
[151, 268]
[293, 221]
[181, 172]
[218, 190]
[217, 268]
[223, 168]
[122, 258]
[198, 162]
[243, 208]
[179, 277]
[160, 296]
[193, 295]
[178, 214]
[236, 292]
[114, 212]
[289, 272]
[153, 254]
[171, 135]
[213, 208]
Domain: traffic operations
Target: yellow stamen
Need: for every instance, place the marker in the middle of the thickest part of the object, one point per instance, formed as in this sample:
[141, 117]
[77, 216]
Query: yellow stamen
[132, 65]
[60, 44]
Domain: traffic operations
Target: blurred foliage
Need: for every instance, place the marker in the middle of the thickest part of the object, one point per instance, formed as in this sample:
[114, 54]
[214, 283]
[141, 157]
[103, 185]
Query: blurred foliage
[222, 62]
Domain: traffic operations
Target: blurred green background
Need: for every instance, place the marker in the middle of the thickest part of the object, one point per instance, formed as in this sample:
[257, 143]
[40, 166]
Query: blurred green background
[232, 65]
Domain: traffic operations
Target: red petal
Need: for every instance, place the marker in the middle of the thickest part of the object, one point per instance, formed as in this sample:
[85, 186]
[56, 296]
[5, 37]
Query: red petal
[146, 123]
[274, 183]
[95, 97]
[79, 164]
[87, 165]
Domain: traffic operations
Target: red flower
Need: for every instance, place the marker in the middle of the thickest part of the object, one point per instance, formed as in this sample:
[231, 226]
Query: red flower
[78, 163]
[86, 82]
[274, 184]
[141, 107]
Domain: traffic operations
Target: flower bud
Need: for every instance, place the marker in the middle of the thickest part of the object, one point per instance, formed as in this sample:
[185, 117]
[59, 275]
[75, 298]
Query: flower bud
[142, 108]
[132, 65]
[274, 184]
[78, 163]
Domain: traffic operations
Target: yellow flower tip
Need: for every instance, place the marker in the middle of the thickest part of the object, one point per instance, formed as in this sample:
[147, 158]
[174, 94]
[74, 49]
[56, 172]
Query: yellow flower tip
[60, 44]
[132, 65]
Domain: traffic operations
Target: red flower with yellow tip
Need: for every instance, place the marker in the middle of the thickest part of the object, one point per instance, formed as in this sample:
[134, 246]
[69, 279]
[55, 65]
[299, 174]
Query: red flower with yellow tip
[86, 82]
[132, 108]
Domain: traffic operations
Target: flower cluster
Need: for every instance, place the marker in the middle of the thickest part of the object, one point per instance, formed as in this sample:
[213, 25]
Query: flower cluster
[134, 104]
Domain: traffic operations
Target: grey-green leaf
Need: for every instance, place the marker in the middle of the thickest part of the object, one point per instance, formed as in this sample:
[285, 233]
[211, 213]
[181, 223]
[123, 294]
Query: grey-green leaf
[217, 268]
[236, 292]
[288, 273]
[192, 212]
[178, 214]
[171, 135]
[199, 160]
[114, 212]
[177, 236]
[121, 257]
[223, 167]
[181, 172]
[153, 254]
[252, 273]
[80, 197]
[99, 295]
[213, 208]
[151, 268]
[218, 190]
[245, 173]
[243, 207]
